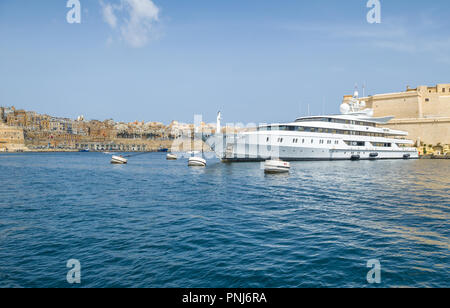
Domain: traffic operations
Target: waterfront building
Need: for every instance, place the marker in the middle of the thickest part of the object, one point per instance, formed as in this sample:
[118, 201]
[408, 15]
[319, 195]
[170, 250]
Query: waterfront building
[11, 139]
[424, 112]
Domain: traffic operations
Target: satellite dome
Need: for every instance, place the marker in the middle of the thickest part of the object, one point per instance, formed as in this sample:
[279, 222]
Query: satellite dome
[345, 108]
[362, 104]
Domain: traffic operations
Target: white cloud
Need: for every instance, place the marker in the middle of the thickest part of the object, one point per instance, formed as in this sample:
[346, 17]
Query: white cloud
[421, 35]
[108, 15]
[137, 22]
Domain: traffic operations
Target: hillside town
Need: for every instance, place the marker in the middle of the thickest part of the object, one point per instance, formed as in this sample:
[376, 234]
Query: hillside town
[22, 130]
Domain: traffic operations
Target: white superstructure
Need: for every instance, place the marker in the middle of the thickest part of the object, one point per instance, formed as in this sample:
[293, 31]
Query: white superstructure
[352, 135]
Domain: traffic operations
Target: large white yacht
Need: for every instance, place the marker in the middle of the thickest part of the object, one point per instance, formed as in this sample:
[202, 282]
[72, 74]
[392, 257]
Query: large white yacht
[352, 135]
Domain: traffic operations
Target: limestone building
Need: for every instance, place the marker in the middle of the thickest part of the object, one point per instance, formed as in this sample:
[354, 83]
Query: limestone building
[424, 112]
[11, 139]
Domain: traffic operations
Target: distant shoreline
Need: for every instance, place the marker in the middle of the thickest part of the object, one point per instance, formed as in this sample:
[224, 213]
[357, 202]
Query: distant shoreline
[77, 151]
[437, 157]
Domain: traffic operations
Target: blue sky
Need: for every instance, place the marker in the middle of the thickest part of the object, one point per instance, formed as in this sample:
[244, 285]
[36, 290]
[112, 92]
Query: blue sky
[256, 60]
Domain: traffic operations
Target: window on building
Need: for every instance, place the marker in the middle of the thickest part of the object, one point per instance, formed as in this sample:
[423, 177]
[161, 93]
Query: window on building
[427, 99]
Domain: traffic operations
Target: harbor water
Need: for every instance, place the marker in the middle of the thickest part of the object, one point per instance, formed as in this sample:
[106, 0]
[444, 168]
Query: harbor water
[159, 223]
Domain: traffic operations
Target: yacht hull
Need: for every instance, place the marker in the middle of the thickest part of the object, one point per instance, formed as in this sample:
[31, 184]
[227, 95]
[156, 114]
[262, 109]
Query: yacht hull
[241, 150]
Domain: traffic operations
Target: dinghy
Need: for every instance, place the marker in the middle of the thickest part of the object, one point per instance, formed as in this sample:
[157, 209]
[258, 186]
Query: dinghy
[276, 166]
[196, 161]
[120, 160]
[171, 156]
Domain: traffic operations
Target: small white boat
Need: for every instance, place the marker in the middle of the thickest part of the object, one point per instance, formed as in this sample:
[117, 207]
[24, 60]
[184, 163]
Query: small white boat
[276, 166]
[118, 160]
[171, 156]
[196, 162]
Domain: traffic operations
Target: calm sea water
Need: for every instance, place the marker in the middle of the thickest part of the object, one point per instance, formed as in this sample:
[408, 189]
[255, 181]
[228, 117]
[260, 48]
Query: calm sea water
[158, 223]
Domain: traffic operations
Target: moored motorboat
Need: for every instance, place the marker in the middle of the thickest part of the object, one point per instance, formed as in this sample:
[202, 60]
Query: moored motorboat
[196, 162]
[119, 160]
[171, 156]
[276, 166]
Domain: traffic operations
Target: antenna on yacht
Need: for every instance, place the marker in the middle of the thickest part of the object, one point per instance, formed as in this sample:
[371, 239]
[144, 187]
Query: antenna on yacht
[323, 105]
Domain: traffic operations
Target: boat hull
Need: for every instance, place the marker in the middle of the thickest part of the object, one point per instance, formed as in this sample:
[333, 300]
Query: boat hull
[196, 162]
[276, 166]
[243, 150]
[119, 160]
[171, 157]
